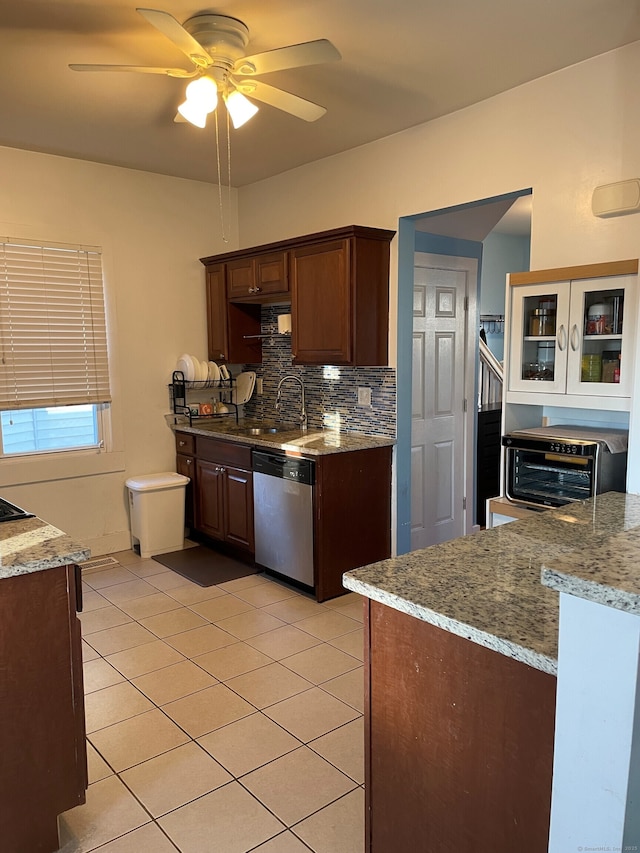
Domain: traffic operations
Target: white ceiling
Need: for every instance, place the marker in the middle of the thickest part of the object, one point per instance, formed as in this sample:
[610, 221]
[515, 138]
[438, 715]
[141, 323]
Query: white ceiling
[404, 62]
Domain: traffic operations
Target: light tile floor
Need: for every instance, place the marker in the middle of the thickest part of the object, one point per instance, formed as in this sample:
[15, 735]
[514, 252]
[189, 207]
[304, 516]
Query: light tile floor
[224, 719]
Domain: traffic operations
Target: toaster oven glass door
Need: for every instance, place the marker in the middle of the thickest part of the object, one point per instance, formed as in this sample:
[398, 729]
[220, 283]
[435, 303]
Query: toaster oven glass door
[549, 479]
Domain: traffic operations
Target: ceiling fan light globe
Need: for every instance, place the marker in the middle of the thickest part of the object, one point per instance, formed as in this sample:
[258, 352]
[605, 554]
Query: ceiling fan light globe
[240, 108]
[203, 94]
[190, 111]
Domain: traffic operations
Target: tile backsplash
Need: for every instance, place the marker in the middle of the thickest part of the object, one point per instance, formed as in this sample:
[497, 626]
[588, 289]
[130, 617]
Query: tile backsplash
[331, 392]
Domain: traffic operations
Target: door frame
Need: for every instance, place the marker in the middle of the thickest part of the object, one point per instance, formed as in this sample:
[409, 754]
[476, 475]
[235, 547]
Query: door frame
[407, 236]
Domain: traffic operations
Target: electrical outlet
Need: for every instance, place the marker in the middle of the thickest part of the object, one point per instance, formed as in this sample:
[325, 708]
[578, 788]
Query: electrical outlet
[259, 386]
[364, 397]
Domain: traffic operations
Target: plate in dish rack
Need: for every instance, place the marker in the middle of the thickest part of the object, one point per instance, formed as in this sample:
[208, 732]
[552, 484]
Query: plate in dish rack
[244, 388]
[213, 372]
[187, 366]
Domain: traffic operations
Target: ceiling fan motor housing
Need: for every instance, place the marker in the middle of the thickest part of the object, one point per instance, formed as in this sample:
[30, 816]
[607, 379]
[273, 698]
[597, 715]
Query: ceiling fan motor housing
[223, 38]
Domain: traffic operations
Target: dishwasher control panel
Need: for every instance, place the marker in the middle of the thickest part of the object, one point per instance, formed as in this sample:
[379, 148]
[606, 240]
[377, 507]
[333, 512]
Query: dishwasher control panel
[284, 467]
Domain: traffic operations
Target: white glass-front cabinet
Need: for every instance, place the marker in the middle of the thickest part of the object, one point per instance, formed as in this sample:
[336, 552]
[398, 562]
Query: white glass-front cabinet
[574, 338]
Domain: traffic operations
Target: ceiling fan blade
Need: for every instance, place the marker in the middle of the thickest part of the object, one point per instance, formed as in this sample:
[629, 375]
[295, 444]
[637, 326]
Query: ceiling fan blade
[176, 33]
[141, 69]
[281, 100]
[293, 56]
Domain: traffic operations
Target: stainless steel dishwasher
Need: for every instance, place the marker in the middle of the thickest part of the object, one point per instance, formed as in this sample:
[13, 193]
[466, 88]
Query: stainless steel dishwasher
[283, 514]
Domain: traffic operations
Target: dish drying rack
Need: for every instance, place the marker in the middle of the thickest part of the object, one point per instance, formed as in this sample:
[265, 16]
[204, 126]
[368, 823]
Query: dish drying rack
[179, 387]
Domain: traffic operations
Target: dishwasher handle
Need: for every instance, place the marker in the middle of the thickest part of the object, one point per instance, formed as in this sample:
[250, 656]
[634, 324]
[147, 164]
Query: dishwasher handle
[284, 467]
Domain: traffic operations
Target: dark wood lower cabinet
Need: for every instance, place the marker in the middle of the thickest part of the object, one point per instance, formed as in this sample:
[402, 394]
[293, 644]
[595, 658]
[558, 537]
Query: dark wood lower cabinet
[352, 504]
[209, 517]
[238, 501]
[458, 742]
[353, 515]
[43, 759]
[223, 507]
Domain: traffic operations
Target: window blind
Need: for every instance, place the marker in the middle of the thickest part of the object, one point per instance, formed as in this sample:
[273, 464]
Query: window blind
[53, 333]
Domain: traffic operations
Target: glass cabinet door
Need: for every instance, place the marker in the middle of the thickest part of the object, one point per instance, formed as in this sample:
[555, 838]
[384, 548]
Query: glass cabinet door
[539, 337]
[601, 317]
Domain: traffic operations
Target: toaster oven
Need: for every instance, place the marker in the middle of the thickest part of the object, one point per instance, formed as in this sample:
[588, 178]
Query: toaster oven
[553, 466]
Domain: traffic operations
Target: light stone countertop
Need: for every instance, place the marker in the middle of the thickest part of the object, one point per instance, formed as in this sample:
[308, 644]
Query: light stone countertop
[31, 545]
[312, 442]
[487, 587]
[608, 570]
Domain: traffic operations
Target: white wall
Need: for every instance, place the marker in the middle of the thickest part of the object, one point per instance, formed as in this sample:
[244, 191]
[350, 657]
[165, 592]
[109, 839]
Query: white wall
[501, 254]
[562, 135]
[153, 232]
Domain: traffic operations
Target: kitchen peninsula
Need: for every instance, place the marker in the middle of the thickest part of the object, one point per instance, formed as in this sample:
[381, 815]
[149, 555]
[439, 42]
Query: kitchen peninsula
[461, 664]
[43, 771]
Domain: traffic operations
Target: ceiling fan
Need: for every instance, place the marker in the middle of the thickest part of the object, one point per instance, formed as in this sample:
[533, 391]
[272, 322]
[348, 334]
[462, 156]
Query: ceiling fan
[215, 44]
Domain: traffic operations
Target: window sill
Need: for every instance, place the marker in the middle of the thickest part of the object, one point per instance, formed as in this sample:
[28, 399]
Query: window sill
[59, 466]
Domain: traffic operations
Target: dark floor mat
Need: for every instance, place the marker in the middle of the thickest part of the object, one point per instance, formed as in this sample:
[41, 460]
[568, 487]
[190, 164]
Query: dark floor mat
[205, 566]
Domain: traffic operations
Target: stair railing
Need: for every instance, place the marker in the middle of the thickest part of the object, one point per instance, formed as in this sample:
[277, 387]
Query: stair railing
[491, 377]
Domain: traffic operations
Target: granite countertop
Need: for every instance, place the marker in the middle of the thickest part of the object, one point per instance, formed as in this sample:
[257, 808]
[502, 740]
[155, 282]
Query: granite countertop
[487, 587]
[311, 442]
[608, 571]
[31, 545]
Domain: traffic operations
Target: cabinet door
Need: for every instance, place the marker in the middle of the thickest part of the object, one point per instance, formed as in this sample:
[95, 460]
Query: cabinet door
[238, 499]
[217, 313]
[240, 278]
[185, 465]
[232, 329]
[539, 337]
[321, 302]
[601, 336]
[210, 498]
[272, 274]
[352, 515]
[259, 279]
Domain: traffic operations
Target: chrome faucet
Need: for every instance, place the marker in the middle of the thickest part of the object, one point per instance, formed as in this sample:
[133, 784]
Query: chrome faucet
[303, 411]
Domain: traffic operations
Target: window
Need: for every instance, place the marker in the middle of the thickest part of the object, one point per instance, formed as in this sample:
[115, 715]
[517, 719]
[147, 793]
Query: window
[54, 371]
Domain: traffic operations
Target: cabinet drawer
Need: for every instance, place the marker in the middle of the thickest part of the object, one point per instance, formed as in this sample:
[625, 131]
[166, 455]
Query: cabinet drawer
[185, 443]
[224, 452]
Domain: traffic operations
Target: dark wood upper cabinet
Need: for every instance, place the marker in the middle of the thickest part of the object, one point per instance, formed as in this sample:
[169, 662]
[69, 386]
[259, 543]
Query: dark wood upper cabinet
[321, 310]
[218, 339]
[264, 278]
[340, 300]
[338, 285]
[231, 328]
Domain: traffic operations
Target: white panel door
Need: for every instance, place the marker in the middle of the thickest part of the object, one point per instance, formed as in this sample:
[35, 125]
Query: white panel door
[440, 467]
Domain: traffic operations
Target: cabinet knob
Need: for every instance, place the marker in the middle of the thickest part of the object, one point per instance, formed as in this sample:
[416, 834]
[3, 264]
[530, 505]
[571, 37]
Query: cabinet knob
[182, 443]
[188, 461]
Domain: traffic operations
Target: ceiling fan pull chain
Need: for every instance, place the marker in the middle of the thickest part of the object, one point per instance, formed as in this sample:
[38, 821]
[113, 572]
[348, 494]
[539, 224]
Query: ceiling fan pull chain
[225, 239]
[229, 159]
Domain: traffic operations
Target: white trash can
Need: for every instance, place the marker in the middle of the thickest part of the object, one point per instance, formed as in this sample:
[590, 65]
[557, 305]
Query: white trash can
[156, 504]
